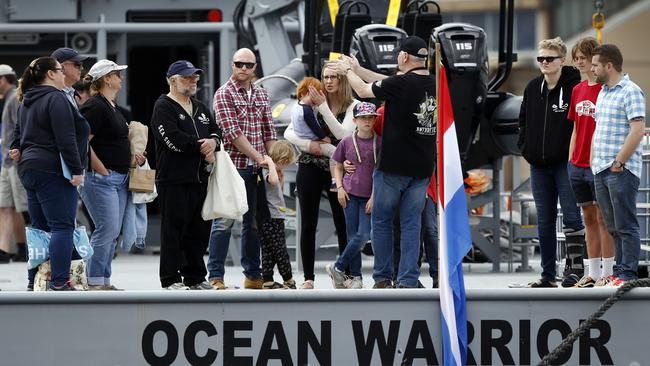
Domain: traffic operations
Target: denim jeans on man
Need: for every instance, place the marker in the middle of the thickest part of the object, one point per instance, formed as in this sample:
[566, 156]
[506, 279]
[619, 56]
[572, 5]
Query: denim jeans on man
[616, 195]
[390, 192]
[52, 206]
[549, 183]
[357, 224]
[105, 197]
[250, 243]
[430, 236]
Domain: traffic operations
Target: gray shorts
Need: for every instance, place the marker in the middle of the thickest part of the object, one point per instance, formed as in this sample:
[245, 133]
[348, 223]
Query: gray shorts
[12, 192]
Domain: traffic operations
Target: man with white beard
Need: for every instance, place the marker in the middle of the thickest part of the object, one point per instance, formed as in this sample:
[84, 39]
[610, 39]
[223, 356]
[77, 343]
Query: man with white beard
[186, 137]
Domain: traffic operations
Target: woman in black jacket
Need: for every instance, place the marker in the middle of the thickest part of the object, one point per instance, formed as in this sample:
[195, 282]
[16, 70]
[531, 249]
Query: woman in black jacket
[48, 136]
[544, 137]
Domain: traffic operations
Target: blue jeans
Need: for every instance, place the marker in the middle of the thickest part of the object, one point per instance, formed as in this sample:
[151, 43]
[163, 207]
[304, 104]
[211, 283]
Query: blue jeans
[140, 224]
[357, 225]
[250, 243]
[52, 206]
[430, 234]
[616, 195]
[549, 183]
[390, 192]
[105, 197]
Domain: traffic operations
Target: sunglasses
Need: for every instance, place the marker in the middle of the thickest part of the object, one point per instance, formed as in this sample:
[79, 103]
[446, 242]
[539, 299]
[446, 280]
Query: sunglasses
[76, 65]
[548, 59]
[240, 65]
[117, 73]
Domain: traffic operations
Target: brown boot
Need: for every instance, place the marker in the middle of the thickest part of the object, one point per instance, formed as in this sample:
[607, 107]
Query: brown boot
[217, 284]
[253, 283]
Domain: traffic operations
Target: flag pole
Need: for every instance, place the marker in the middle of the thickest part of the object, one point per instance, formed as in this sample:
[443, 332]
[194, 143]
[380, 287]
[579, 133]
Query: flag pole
[437, 63]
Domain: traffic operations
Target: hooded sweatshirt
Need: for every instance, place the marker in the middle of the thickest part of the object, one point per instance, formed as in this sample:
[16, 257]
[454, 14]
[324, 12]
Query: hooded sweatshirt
[544, 130]
[48, 127]
[178, 152]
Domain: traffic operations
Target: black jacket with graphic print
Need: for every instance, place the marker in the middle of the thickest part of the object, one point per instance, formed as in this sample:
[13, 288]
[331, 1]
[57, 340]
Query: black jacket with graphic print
[544, 130]
[178, 152]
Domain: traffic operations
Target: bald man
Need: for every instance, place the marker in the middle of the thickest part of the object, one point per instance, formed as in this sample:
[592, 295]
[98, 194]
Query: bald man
[243, 112]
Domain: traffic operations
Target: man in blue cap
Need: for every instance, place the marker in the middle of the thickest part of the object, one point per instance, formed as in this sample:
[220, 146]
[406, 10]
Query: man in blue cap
[186, 136]
[72, 63]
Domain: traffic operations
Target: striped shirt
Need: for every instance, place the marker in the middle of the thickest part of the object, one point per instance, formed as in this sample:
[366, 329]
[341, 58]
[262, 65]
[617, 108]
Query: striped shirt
[238, 113]
[615, 108]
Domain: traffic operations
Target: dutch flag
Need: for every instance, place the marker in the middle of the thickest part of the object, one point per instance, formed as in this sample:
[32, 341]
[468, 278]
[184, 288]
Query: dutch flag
[455, 239]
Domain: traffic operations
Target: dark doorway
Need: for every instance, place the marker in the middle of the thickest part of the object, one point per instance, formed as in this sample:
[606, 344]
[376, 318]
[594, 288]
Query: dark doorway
[148, 66]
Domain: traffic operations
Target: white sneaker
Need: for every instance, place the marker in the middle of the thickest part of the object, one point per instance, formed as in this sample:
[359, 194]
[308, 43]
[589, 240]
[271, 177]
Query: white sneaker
[177, 286]
[307, 285]
[201, 286]
[338, 278]
[354, 282]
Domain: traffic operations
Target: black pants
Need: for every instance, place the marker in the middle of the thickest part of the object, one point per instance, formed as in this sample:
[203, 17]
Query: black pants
[311, 182]
[274, 249]
[184, 234]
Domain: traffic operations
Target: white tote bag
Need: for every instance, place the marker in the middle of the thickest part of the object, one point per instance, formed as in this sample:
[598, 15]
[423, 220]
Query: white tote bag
[226, 196]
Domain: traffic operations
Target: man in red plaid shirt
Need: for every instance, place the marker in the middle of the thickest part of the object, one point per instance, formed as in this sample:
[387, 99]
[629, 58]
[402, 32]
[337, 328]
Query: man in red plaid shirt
[243, 112]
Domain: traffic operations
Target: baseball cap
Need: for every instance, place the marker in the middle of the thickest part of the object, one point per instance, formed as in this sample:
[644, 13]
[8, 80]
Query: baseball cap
[64, 54]
[103, 67]
[183, 68]
[415, 46]
[364, 109]
[6, 70]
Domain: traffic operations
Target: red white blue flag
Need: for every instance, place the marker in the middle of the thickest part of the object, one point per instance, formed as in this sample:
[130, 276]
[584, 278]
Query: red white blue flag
[455, 239]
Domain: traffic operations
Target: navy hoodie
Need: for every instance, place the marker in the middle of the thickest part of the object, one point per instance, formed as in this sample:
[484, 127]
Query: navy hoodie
[544, 130]
[178, 152]
[48, 125]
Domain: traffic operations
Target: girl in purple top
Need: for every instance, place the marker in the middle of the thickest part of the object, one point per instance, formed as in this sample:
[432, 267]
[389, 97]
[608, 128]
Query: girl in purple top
[355, 193]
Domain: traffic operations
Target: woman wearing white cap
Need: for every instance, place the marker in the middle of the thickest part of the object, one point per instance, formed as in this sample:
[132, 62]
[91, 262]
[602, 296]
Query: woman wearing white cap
[105, 190]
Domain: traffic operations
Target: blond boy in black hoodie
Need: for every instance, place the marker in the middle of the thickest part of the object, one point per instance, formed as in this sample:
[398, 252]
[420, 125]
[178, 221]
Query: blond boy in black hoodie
[544, 138]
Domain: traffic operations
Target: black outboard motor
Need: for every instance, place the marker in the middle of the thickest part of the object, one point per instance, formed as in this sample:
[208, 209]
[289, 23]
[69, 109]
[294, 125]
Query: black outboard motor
[464, 55]
[374, 46]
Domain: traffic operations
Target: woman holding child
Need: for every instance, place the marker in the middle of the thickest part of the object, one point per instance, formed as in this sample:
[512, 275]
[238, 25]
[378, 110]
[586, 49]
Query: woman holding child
[335, 113]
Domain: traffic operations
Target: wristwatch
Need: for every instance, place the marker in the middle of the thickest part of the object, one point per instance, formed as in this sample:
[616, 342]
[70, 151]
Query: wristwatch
[620, 164]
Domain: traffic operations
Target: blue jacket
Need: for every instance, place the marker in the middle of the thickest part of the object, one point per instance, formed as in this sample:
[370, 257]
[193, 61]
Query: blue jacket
[48, 126]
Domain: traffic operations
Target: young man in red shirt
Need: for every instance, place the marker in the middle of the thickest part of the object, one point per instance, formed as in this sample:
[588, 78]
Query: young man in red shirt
[583, 106]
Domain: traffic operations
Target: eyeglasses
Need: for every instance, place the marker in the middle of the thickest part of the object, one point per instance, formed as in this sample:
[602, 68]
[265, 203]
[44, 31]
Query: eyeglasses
[240, 65]
[116, 73]
[58, 69]
[548, 59]
[330, 77]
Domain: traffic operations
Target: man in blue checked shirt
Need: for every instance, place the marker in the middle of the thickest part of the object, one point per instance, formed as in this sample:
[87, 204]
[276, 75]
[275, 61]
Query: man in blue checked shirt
[616, 157]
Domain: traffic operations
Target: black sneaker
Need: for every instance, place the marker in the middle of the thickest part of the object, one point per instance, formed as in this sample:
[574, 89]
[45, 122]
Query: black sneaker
[136, 250]
[65, 287]
[570, 280]
[383, 284]
[4, 257]
[542, 283]
[21, 255]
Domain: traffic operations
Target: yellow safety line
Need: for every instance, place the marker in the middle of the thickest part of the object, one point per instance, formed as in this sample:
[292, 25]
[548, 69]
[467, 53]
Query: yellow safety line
[334, 9]
[393, 12]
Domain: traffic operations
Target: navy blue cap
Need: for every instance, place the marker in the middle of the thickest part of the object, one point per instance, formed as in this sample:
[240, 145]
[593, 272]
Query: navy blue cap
[64, 54]
[182, 68]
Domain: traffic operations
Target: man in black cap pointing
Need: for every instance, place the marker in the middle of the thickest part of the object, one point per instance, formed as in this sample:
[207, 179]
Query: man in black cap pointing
[407, 156]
